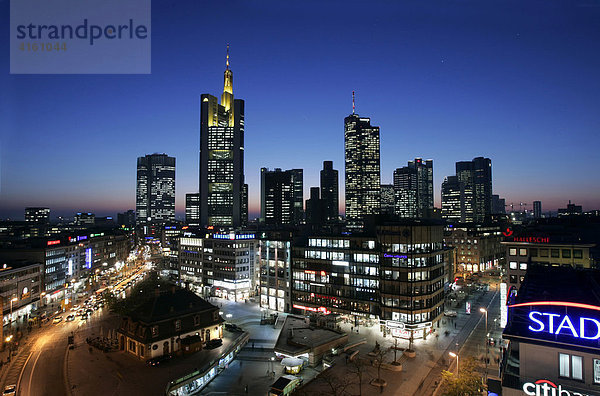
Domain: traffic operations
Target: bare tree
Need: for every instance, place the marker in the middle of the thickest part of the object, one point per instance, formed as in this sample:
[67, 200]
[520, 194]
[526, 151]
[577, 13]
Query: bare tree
[358, 368]
[378, 361]
[334, 385]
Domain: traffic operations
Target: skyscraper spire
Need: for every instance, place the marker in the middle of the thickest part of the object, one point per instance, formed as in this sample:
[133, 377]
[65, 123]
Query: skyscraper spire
[227, 62]
[353, 102]
[227, 96]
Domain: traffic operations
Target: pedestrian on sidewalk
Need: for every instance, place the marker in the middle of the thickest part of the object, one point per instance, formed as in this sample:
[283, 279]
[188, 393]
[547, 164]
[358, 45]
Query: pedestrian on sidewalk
[455, 325]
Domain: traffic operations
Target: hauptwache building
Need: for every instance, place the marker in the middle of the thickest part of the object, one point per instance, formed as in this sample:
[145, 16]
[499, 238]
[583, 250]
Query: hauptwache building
[552, 339]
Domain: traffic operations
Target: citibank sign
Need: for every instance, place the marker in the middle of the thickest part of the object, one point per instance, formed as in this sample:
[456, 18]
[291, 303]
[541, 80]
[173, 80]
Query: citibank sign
[548, 388]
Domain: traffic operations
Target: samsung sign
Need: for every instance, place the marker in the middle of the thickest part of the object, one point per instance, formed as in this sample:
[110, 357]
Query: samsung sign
[544, 387]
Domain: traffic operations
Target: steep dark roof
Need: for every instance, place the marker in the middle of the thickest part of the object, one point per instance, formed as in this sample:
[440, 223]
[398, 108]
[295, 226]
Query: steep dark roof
[169, 304]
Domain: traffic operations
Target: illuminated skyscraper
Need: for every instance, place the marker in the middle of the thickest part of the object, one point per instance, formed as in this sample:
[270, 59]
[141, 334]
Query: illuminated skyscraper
[155, 190]
[223, 195]
[405, 191]
[363, 186]
[192, 209]
[413, 189]
[476, 177]
[537, 209]
[453, 200]
[388, 202]
[37, 215]
[424, 174]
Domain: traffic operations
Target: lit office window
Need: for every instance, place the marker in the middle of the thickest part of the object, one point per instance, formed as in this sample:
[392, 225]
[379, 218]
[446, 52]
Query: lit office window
[570, 366]
[563, 364]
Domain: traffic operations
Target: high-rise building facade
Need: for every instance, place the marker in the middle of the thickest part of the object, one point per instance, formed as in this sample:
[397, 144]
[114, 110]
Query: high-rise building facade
[37, 215]
[453, 200]
[126, 219]
[388, 201]
[363, 178]
[537, 209]
[84, 219]
[223, 195]
[315, 208]
[476, 176]
[498, 205]
[482, 188]
[155, 190]
[281, 196]
[192, 209]
[424, 184]
[330, 191]
[405, 191]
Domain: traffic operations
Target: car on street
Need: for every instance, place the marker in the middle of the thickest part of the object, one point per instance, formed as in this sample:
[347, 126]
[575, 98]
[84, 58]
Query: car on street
[56, 320]
[233, 328]
[451, 314]
[70, 318]
[212, 344]
[157, 361]
[10, 390]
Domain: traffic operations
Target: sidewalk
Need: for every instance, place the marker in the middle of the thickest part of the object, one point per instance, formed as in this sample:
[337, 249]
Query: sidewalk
[419, 375]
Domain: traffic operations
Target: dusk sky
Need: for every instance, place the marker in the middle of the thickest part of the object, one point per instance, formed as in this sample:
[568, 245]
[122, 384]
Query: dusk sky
[515, 81]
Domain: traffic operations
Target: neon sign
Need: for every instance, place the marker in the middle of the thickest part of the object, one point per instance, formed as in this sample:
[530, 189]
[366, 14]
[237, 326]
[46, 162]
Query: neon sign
[320, 309]
[50, 243]
[547, 388]
[532, 239]
[394, 255]
[582, 327]
[508, 232]
[547, 322]
[233, 236]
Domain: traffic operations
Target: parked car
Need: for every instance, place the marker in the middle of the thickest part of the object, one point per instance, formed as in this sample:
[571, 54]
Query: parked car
[157, 361]
[10, 390]
[451, 314]
[212, 344]
[233, 327]
[56, 320]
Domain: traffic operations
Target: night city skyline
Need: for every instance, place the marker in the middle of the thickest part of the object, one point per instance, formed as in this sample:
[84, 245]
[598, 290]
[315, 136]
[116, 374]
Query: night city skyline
[513, 82]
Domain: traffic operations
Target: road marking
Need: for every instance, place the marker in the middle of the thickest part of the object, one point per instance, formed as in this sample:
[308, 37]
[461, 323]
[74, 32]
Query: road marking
[33, 369]
[22, 370]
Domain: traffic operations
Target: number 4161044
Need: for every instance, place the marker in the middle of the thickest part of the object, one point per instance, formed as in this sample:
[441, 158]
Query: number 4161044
[43, 47]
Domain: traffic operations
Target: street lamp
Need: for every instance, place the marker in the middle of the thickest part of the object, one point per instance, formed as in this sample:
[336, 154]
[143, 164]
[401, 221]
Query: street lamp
[272, 360]
[15, 299]
[483, 310]
[455, 355]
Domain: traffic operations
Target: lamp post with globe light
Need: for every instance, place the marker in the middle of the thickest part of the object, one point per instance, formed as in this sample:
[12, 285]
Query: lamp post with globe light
[455, 355]
[483, 310]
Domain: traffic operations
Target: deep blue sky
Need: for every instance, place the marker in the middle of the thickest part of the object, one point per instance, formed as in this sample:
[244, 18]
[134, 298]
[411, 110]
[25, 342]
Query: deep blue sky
[516, 81]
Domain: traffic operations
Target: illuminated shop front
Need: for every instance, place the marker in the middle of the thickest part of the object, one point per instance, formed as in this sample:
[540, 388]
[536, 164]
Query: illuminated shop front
[552, 336]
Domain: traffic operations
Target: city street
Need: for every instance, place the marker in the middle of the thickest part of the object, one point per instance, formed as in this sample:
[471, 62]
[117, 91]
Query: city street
[43, 373]
[40, 362]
